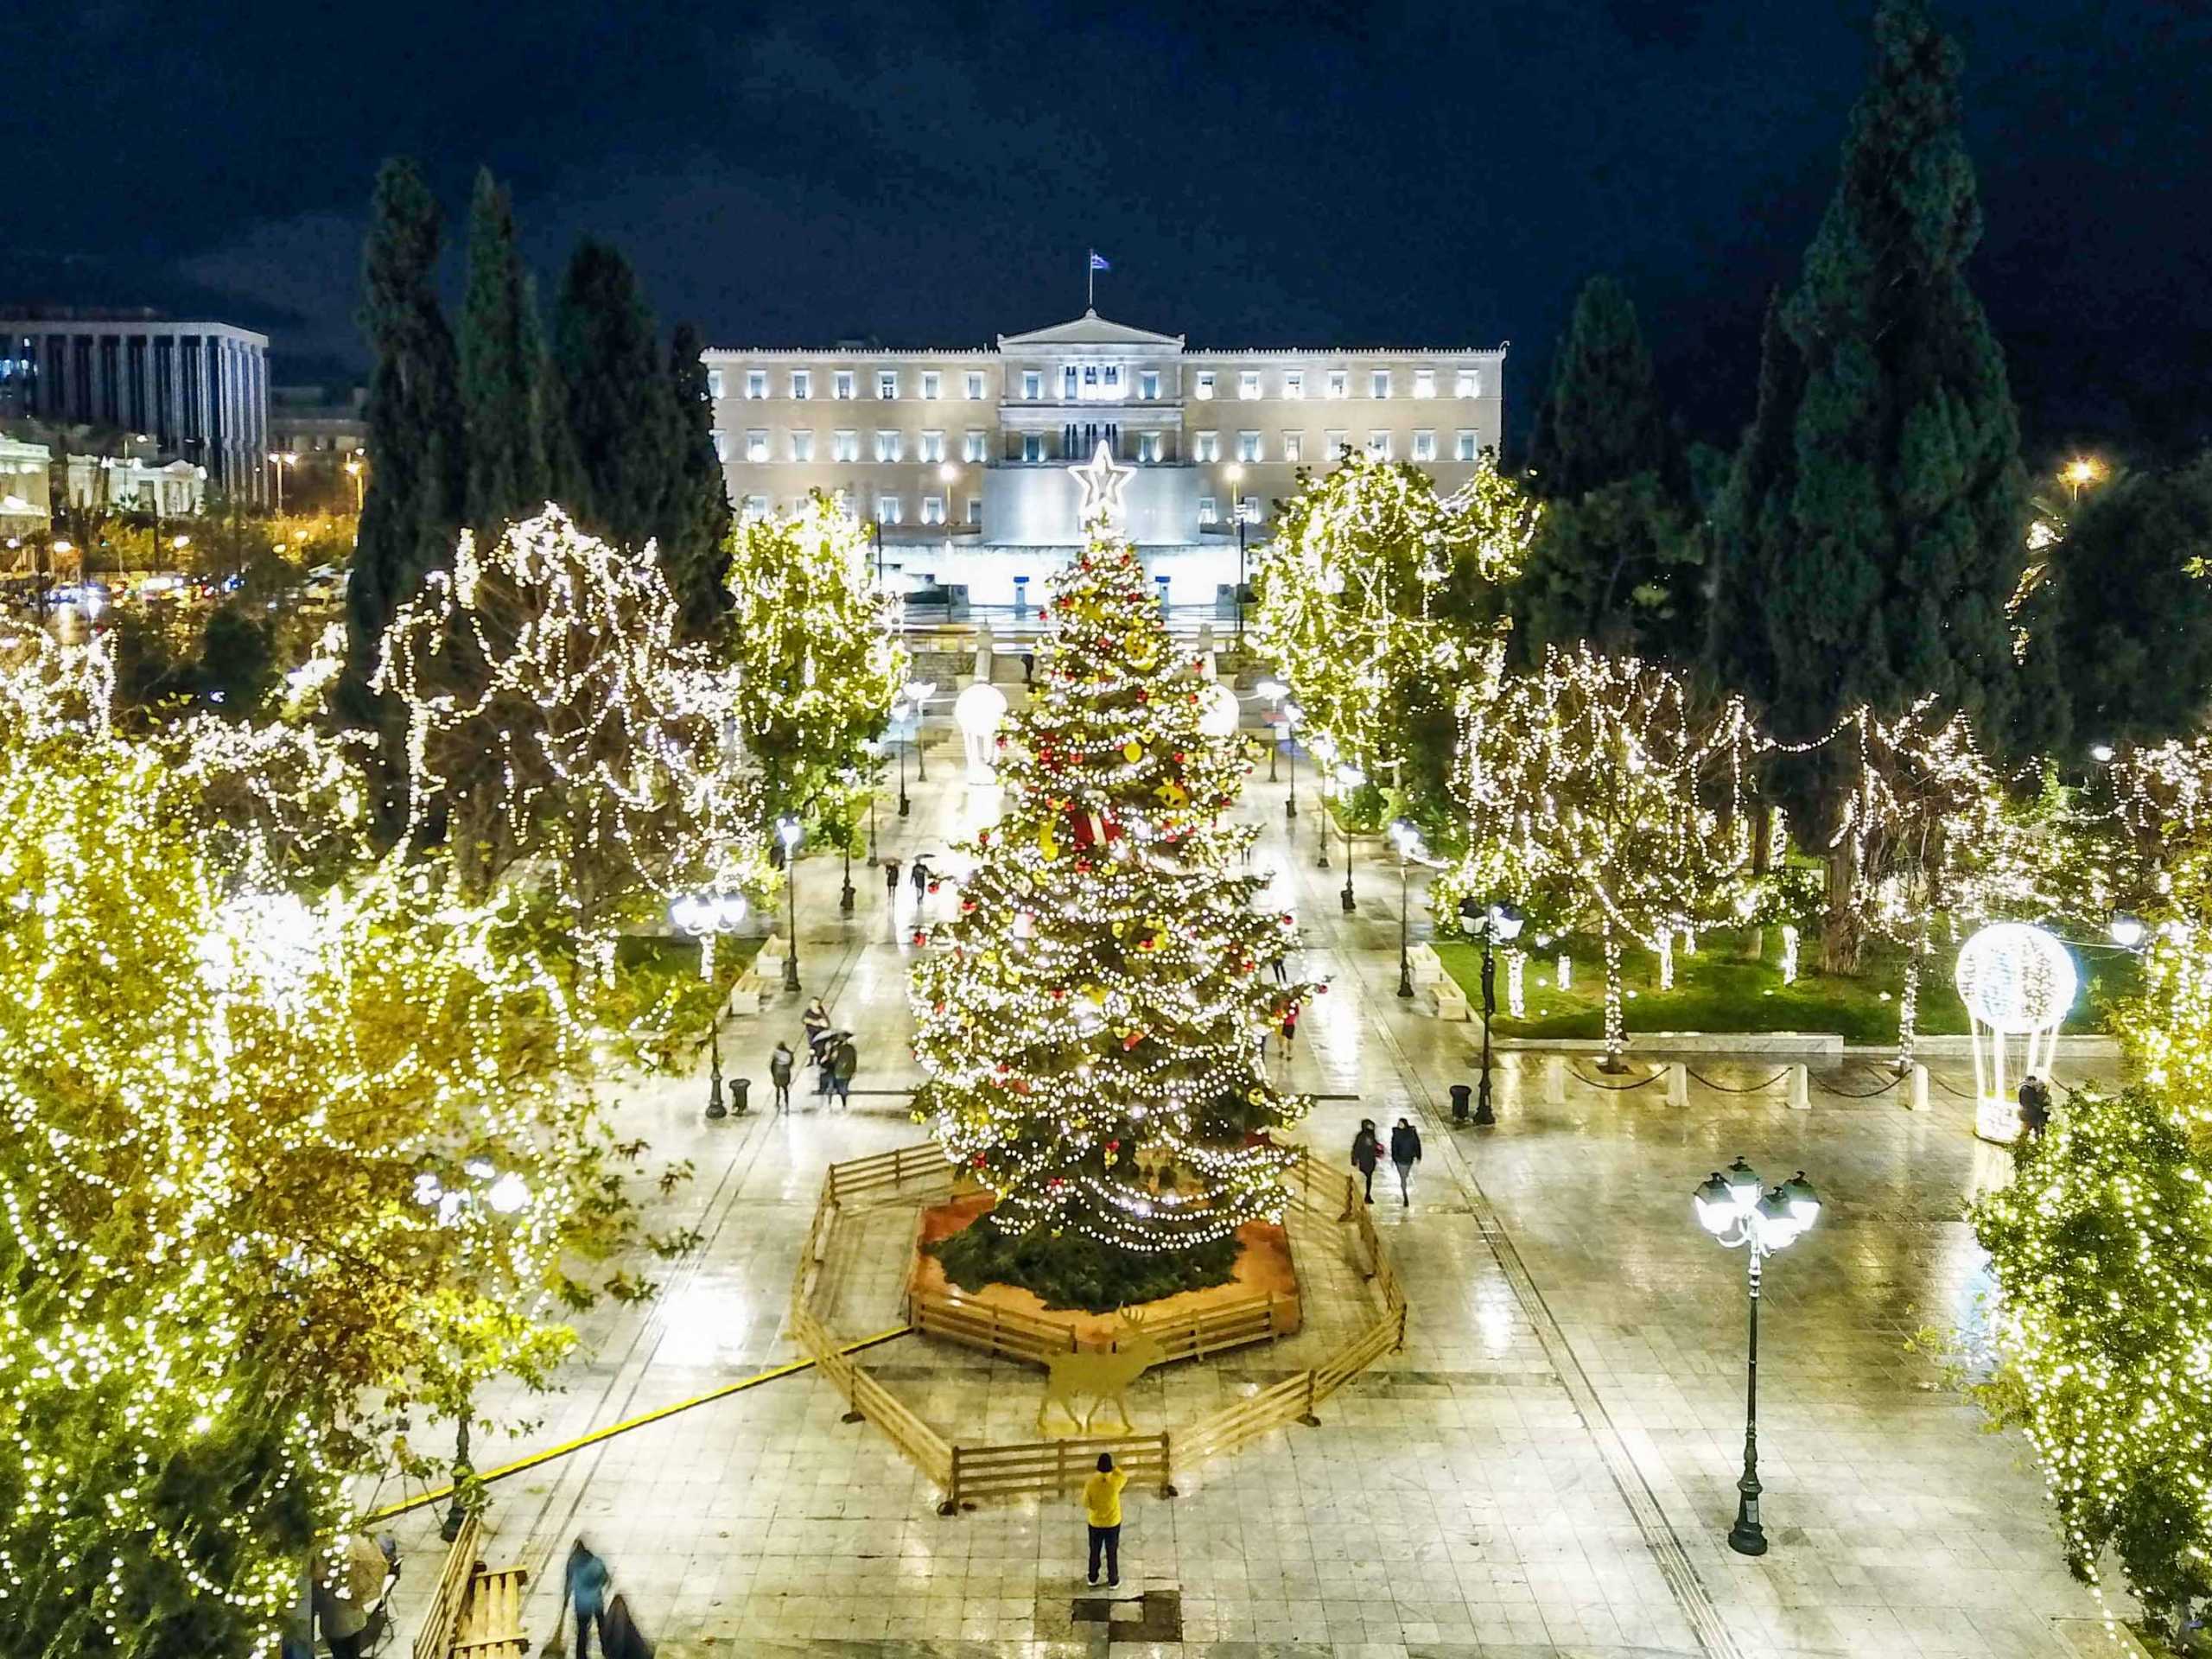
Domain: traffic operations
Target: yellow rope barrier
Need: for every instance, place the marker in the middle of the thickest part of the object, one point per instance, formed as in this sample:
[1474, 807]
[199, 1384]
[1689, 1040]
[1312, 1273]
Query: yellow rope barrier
[442, 1493]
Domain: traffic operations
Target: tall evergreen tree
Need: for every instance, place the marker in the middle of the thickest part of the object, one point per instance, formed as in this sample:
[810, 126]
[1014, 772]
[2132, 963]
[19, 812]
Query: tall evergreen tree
[614, 400]
[502, 362]
[412, 509]
[695, 516]
[1750, 520]
[1889, 535]
[1614, 555]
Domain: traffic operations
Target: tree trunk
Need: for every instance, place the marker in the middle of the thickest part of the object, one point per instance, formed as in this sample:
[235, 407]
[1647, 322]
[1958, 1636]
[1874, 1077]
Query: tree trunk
[1841, 935]
[1616, 1018]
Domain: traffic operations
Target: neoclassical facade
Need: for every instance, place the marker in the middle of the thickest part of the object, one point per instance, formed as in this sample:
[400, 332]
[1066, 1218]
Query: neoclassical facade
[962, 457]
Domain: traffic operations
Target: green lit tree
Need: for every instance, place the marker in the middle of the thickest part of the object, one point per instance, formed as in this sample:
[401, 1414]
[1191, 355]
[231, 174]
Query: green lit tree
[1092, 1028]
[695, 518]
[502, 371]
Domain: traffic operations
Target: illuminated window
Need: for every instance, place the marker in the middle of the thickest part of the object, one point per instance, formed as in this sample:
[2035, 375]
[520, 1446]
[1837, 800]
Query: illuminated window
[1202, 386]
[1247, 384]
[930, 388]
[1033, 446]
[756, 444]
[932, 446]
[1378, 384]
[887, 511]
[889, 446]
[713, 383]
[1333, 444]
[756, 506]
[1463, 444]
[1206, 514]
[1339, 383]
[802, 385]
[1424, 383]
[1247, 446]
[802, 446]
[845, 445]
[1209, 447]
[932, 509]
[1378, 445]
[756, 383]
[1032, 385]
[1148, 386]
[886, 383]
[721, 444]
[974, 446]
[1424, 446]
[1294, 385]
[1148, 447]
[1249, 509]
[974, 506]
[1294, 446]
[1468, 383]
[843, 388]
[975, 386]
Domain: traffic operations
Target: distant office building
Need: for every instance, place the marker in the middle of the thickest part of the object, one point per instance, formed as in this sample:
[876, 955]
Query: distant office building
[198, 392]
[316, 421]
[25, 506]
[173, 489]
[962, 456]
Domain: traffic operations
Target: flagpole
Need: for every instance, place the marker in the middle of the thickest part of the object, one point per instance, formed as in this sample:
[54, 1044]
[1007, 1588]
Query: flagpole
[1090, 280]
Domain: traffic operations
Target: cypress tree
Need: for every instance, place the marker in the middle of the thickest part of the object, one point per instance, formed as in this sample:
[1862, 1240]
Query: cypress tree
[1750, 520]
[502, 362]
[1897, 540]
[697, 517]
[613, 399]
[412, 508]
[1612, 555]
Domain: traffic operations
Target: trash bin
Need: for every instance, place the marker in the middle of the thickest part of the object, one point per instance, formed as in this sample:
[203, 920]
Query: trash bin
[738, 1089]
[1460, 1094]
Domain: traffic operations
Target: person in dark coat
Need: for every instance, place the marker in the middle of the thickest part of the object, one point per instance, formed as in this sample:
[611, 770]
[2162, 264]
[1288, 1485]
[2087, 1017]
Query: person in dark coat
[1366, 1153]
[815, 1021]
[620, 1634]
[780, 1073]
[1405, 1153]
[2035, 1106]
[843, 1062]
[583, 1583]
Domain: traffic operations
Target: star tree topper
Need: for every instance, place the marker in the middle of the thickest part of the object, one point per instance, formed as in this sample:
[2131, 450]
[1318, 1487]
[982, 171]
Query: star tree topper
[1102, 479]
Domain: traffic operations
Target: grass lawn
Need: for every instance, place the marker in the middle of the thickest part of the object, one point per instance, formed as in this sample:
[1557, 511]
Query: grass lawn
[1723, 989]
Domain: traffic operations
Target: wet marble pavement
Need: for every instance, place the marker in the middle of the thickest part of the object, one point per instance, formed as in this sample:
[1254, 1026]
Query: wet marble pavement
[1548, 1470]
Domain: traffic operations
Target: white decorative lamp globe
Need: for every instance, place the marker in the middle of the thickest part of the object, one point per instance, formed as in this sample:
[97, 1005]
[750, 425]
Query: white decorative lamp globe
[978, 711]
[2017, 981]
[1217, 711]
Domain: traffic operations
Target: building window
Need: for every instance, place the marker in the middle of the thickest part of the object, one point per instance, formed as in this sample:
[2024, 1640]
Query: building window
[1424, 446]
[756, 506]
[1148, 447]
[1247, 446]
[889, 446]
[756, 383]
[713, 383]
[842, 500]
[802, 385]
[1424, 383]
[1032, 386]
[1294, 385]
[1294, 446]
[1149, 386]
[974, 506]
[975, 387]
[1339, 383]
[1202, 385]
[843, 388]
[1463, 444]
[1247, 384]
[887, 511]
[1468, 383]
[844, 446]
[802, 446]
[1378, 384]
[721, 444]
[974, 446]
[930, 382]
[756, 444]
[932, 509]
[886, 383]
[1248, 510]
[932, 446]
[1206, 514]
[1333, 444]
[1378, 445]
[1033, 446]
[1209, 447]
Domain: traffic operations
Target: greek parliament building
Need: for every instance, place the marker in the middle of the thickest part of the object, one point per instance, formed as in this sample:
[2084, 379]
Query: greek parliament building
[197, 391]
[962, 457]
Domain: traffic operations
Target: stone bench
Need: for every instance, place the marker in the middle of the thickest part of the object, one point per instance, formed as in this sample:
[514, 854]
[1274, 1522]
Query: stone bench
[1427, 966]
[1448, 1000]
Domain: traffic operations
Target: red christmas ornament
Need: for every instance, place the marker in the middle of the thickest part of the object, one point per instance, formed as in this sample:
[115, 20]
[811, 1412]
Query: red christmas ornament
[979, 1160]
[1132, 1040]
[1113, 1146]
[920, 938]
[933, 887]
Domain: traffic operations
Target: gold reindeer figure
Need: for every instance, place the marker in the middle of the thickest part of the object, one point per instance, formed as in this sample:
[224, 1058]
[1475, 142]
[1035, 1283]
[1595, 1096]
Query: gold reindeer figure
[1100, 1377]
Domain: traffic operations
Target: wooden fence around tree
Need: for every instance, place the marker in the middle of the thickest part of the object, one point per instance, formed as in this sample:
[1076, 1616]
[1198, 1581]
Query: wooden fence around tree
[968, 1474]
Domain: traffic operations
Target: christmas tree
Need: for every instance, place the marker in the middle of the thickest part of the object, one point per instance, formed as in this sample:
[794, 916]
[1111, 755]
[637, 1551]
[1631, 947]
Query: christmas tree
[1092, 1030]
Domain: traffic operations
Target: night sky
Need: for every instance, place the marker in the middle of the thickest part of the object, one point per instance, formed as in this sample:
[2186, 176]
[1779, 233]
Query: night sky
[931, 174]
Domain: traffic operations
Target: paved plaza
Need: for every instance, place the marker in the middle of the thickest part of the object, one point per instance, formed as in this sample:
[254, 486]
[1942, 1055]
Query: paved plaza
[1548, 1469]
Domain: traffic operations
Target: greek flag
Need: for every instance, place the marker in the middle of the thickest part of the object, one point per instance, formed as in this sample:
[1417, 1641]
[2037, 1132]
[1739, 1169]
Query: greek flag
[1098, 261]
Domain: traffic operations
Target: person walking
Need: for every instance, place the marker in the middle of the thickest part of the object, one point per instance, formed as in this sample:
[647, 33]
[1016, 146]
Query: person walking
[1289, 1030]
[2035, 1106]
[780, 1073]
[1280, 969]
[843, 1062]
[1366, 1153]
[816, 1022]
[584, 1583]
[891, 884]
[1101, 1509]
[1405, 1153]
[347, 1591]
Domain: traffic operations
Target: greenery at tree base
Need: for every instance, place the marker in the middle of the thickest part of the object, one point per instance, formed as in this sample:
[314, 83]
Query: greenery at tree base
[695, 522]
[1615, 560]
[1071, 1271]
[2122, 618]
[413, 504]
[502, 371]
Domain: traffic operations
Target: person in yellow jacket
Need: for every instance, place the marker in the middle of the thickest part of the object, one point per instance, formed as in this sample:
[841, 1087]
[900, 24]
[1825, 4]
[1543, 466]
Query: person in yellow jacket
[1102, 1508]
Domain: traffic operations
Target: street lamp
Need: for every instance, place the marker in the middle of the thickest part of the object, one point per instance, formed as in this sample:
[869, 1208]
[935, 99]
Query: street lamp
[353, 471]
[948, 474]
[1348, 779]
[1291, 715]
[1235, 473]
[787, 828]
[1498, 923]
[851, 780]
[873, 749]
[705, 916]
[899, 711]
[280, 459]
[1730, 1207]
[2079, 474]
[2127, 932]
[1325, 755]
[1274, 691]
[1409, 847]
[917, 693]
[504, 1195]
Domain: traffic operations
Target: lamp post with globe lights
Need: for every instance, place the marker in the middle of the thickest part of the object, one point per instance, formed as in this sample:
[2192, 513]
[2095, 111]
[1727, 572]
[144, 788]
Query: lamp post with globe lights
[1733, 1208]
[706, 916]
[503, 1194]
[873, 749]
[1324, 758]
[1348, 779]
[1407, 841]
[918, 696]
[1274, 691]
[1233, 473]
[1498, 923]
[1291, 715]
[787, 831]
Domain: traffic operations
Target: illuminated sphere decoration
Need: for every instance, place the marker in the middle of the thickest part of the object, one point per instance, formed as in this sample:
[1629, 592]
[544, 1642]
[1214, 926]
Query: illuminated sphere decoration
[2015, 978]
[979, 709]
[1217, 711]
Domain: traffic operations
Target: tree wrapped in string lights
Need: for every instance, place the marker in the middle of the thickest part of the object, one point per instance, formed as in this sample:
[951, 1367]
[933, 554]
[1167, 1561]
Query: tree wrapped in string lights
[1601, 788]
[558, 723]
[1092, 1021]
[816, 666]
[1381, 603]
